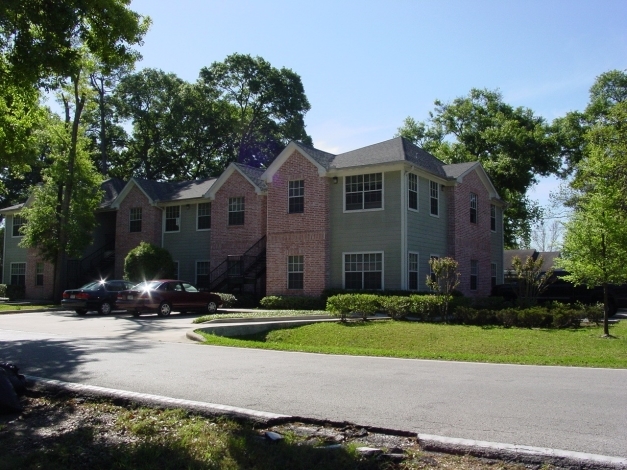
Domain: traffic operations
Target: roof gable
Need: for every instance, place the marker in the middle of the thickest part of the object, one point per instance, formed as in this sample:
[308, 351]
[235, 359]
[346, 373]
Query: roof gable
[251, 174]
[458, 171]
[160, 192]
[320, 159]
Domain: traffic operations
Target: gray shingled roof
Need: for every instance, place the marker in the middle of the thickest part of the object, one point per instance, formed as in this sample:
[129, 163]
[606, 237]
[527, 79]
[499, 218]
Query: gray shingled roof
[323, 158]
[254, 174]
[11, 208]
[166, 191]
[112, 188]
[398, 149]
[455, 170]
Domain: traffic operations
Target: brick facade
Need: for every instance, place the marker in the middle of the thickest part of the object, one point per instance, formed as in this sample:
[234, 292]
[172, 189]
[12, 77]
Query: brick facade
[305, 234]
[125, 240]
[236, 239]
[31, 289]
[470, 241]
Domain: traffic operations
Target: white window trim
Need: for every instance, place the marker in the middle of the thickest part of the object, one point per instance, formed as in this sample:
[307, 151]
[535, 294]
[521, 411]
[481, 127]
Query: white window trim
[474, 197]
[364, 210]
[429, 264]
[130, 212]
[13, 222]
[197, 209]
[493, 207]
[196, 270]
[288, 196]
[287, 276]
[417, 270]
[228, 211]
[496, 272]
[438, 193]
[165, 220]
[476, 275]
[417, 209]
[344, 253]
[11, 269]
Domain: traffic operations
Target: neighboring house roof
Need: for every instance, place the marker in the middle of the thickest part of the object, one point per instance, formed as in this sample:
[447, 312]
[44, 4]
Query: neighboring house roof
[159, 191]
[112, 189]
[323, 158]
[15, 208]
[251, 174]
[548, 257]
[457, 170]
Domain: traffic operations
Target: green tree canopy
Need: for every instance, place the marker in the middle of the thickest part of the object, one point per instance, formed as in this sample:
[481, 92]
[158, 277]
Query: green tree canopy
[513, 144]
[146, 262]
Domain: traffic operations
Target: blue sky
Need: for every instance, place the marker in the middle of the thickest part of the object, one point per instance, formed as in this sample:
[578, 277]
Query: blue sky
[366, 65]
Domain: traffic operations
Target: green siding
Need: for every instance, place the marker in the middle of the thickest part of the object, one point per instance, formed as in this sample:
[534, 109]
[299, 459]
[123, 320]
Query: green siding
[12, 252]
[496, 245]
[188, 245]
[426, 234]
[368, 231]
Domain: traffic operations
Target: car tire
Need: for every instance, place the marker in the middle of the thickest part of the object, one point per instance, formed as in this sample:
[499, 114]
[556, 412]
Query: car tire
[165, 309]
[136, 313]
[105, 308]
[80, 312]
[212, 307]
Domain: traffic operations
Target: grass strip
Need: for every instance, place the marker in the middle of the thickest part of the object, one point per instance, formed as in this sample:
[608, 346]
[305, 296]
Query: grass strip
[260, 314]
[11, 308]
[568, 347]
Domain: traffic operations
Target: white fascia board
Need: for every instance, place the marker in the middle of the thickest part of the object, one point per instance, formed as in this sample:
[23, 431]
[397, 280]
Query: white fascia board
[127, 189]
[226, 174]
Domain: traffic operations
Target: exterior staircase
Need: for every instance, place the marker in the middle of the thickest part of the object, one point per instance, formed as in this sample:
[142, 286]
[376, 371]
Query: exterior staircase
[97, 265]
[243, 273]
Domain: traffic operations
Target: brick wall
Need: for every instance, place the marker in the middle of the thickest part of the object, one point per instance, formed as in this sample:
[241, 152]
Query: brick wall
[125, 240]
[468, 241]
[305, 234]
[33, 291]
[236, 239]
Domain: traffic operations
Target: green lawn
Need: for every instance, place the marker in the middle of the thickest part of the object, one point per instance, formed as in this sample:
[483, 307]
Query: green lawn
[568, 347]
[260, 314]
[9, 307]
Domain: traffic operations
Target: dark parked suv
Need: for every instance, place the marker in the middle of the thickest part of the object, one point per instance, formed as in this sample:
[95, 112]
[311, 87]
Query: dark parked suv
[98, 295]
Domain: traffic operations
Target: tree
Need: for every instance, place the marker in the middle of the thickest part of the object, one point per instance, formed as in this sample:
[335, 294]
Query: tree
[546, 236]
[595, 244]
[269, 106]
[514, 146]
[443, 281]
[146, 262]
[531, 281]
[56, 43]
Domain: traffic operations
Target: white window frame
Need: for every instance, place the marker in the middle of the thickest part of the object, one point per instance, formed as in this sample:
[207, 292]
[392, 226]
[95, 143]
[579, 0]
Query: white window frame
[198, 216]
[432, 185]
[130, 219]
[301, 194]
[232, 203]
[13, 225]
[196, 268]
[302, 265]
[410, 190]
[494, 274]
[431, 273]
[39, 264]
[492, 218]
[177, 219]
[417, 270]
[363, 253]
[474, 206]
[350, 211]
[11, 271]
[474, 271]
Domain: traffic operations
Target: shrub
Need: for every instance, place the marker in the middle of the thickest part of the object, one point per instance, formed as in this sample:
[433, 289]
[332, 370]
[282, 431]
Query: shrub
[490, 303]
[292, 302]
[228, 300]
[3, 290]
[533, 317]
[395, 306]
[475, 316]
[147, 261]
[507, 317]
[343, 304]
[425, 307]
[15, 292]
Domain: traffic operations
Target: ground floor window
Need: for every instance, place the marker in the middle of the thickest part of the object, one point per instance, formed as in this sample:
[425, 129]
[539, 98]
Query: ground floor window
[176, 270]
[295, 272]
[18, 274]
[474, 268]
[202, 273]
[431, 273]
[413, 271]
[39, 274]
[363, 271]
[494, 271]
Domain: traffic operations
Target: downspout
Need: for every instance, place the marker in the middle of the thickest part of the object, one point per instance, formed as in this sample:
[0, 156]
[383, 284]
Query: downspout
[4, 249]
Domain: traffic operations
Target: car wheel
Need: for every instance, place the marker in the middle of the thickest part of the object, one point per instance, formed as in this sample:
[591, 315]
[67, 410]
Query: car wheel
[212, 307]
[105, 308]
[135, 313]
[165, 309]
[81, 312]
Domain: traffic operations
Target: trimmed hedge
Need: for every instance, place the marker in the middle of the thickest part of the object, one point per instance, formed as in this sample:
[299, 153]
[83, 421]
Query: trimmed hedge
[424, 307]
[3, 290]
[228, 300]
[292, 302]
[15, 292]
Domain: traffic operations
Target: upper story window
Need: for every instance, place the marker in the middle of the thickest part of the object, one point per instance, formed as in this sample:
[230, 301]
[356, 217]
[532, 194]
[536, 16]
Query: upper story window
[474, 273]
[493, 217]
[203, 220]
[135, 220]
[434, 192]
[412, 191]
[172, 218]
[18, 222]
[295, 272]
[236, 211]
[296, 197]
[364, 192]
[473, 208]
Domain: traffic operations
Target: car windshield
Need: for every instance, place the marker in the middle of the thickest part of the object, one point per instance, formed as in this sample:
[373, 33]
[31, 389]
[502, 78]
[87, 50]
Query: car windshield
[93, 285]
[147, 285]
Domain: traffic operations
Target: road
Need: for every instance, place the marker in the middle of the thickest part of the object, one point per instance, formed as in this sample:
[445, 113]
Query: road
[577, 409]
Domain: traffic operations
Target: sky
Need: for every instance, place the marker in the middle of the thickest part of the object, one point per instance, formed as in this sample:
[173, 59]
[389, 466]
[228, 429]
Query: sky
[366, 65]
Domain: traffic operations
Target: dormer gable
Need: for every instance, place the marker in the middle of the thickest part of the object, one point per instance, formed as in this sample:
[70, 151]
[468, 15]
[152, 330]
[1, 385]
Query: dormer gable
[250, 174]
[318, 158]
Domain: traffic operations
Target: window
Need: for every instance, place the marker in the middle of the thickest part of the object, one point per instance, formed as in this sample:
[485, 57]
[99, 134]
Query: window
[236, 211]
[412, 191]
[493, 274]
[176, 270]
[493, 217]
[413, 271]
[363, 271]
[473, 274]
[202, 273]
[295, 272]
[364, 192]
[296, 197]
[435, 198]
[18, 222]
[18, 274]
[135, 220]
[172, 219]
[431, 273]
[39, 274]
[203, 221]
[473, 208]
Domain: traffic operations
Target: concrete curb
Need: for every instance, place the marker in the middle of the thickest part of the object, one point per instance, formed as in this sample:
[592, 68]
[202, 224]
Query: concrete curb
[493, 450]
[268, 319]
[248, 328]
